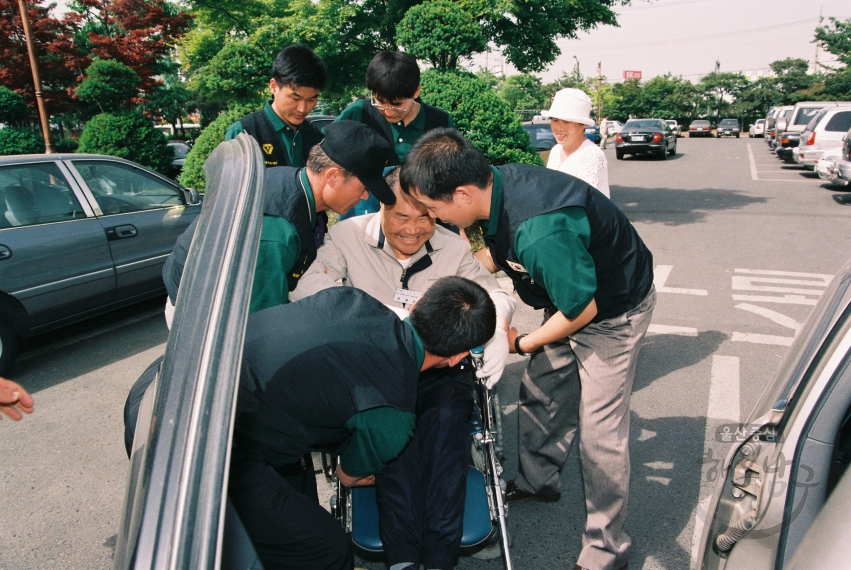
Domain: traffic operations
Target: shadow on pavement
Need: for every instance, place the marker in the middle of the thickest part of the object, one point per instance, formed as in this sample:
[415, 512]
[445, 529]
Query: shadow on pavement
[676, 207]
[652, 157]
[662, 354]
[843, 199]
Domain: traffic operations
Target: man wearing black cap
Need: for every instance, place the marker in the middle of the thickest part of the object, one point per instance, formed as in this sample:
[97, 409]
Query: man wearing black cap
[345, 167]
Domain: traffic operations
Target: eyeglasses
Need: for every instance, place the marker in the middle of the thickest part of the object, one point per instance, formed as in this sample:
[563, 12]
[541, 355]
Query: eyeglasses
[398, 109]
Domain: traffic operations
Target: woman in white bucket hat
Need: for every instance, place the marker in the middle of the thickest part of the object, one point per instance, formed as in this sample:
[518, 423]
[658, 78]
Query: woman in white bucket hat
[574, 154]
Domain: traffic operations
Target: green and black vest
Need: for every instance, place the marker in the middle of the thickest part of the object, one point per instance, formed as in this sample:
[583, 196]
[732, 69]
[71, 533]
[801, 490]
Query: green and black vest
[371, 117]
[259, 126]
[623, 264]
[301, 379]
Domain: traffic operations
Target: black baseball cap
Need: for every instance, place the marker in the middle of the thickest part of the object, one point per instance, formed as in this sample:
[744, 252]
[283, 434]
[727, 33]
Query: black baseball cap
[364, 153]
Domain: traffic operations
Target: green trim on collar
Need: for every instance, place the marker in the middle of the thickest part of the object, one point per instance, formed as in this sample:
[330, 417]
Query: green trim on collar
[311, 201]
[276, 121]
[496, 200]
[419, 349]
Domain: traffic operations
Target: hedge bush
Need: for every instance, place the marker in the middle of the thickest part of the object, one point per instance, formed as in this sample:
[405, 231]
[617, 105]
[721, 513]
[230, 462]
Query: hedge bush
[20, 141]
[192, 175]
[13, 107]
[127, 135]
[479, 113]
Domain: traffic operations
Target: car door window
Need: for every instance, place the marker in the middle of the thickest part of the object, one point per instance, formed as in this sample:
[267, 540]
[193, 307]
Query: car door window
[120, 188]
[840, 122]
[36, 193]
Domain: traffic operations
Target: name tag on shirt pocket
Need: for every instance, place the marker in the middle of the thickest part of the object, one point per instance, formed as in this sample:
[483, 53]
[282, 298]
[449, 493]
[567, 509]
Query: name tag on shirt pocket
[406, 296]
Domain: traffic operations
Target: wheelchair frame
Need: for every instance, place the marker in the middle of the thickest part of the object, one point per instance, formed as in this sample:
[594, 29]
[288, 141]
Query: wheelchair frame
[487, 457]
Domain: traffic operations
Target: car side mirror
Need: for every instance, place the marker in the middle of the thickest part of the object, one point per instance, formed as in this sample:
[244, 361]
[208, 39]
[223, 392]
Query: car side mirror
[191, 196]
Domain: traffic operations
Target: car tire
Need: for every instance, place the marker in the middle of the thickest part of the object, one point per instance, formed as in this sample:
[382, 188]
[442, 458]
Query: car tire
[8, 347]
[737, 136]
[673, 151]
[618, 155]
[664, 154]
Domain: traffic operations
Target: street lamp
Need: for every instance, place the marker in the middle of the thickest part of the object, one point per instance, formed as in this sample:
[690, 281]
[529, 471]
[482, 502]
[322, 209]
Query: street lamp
[39, 96]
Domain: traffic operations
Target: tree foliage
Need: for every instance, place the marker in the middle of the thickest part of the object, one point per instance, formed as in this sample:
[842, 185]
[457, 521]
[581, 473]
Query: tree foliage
[109, 86]
[126, 135]
[441, 32]
[835, 38]
[522, 92]
[13, 107]
[192, 175]
[479, 113]
[15, 140]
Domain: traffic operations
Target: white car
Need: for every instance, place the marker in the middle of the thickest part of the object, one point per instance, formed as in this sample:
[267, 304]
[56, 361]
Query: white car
[674, 126]
[757, 129]
[827, 167]
[614, 128]
[826, 130]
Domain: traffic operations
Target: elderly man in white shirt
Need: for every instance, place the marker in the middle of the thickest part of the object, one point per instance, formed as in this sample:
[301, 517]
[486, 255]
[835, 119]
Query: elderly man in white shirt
[395, 255]
[574, 154]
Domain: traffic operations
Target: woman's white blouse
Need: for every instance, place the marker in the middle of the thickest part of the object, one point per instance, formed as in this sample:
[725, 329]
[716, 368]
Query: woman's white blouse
[587, 163]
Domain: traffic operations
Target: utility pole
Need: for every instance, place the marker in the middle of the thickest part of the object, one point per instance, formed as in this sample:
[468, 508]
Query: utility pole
[39, 96]
[599, 82]
[815, 60]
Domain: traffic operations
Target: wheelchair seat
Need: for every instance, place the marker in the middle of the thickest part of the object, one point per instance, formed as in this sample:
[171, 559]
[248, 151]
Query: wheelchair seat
[477, 519]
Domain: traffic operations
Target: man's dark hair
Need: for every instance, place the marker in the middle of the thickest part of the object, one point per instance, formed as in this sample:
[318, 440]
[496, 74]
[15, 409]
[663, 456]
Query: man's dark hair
[453, 316]
[393, 76]
[441, 161]
[298, 66]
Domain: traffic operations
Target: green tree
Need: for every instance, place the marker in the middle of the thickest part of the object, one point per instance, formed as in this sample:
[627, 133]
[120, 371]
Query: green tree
[755, 100]
[521, 92]
[170, 101]
[14, 140]
[628, 100]
[479, 113]
[720, 89]
[835, 38]
[13, 107]
[109, 86]
[791, 79]
[238, 74]
[192, 174]
[441, 32]
[126, 135]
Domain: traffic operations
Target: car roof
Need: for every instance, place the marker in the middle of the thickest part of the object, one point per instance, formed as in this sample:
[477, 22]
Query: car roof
[27, 158]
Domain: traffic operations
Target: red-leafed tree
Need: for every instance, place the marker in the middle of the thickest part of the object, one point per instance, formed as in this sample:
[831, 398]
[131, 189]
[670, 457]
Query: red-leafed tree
[59, 59]
[138, 33]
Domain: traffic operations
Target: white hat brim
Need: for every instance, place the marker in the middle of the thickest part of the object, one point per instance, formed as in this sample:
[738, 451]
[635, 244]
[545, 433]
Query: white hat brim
[569, 118]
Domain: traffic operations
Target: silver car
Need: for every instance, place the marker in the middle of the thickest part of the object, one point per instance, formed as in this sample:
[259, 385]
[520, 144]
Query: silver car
[81, 235]
[791, 454]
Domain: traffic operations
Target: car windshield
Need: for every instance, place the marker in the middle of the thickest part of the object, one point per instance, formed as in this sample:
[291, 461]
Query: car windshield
[700, 123]
[671, 122]
[729, 123]
[643, 125]
[805, 115]
[760, 121]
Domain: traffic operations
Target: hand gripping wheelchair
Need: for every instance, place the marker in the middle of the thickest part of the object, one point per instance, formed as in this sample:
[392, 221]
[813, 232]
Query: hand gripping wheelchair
[484, 509]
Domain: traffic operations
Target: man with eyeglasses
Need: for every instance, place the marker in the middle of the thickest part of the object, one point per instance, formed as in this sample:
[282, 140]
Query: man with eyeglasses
[395, 110]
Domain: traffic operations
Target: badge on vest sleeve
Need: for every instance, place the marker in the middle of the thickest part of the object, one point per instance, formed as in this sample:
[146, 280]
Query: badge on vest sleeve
[516, 266]
[267, 148]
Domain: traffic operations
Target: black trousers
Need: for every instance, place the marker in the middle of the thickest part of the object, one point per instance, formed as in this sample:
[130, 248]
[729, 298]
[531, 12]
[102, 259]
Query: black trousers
[282, 515]
[421, 494]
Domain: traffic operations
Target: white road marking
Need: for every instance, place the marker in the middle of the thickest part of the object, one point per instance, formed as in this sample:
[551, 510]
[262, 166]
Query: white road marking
[778, 318]
[659, 465]
[660, 276]
[723, 408]
[754, 174]
[663, 480]
[101, 331]
[747, 283]
[786, 299]
[823, 277]
[669, 329]
[762, 338]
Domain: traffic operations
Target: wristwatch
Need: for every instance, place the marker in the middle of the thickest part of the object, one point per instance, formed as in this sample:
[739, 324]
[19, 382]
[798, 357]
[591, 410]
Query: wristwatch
[517, 345]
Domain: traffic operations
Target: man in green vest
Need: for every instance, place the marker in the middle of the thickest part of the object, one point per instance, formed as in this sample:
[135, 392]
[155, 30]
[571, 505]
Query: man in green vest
[298, 75]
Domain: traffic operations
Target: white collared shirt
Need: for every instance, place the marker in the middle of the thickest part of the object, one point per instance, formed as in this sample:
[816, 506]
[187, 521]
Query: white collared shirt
[588, 163]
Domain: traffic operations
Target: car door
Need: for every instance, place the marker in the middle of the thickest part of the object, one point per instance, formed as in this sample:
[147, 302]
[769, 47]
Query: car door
[174, 513]
[796, 448]
[54, 257]
[141, 214]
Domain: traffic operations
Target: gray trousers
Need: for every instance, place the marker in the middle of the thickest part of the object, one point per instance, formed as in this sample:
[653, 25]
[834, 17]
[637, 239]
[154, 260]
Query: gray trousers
[584, 382]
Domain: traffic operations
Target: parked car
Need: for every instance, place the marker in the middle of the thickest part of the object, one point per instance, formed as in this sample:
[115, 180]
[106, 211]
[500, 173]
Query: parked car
[645, 136]
[592, 133]
[772, 129]
[843, 165]
[728, 128]
[614, 128]
[541, 138]
[80, 235]
[825, 131]
[757, 129]
[180, 150]
[790, 458]
[320, 121]
[827, 167]
[674, 126]
[780, 124]
[786, 145]
[700, 128]
[176, 513]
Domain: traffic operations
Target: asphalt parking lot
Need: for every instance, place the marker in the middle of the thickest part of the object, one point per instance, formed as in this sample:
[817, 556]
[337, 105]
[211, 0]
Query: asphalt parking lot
[743, 247]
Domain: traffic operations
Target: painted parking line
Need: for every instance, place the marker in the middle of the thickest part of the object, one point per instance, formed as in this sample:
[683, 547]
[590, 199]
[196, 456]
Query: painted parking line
[722, 408]
[668, 329]
[754, 338]
[660, 277]
[755, 172]
[771, 315]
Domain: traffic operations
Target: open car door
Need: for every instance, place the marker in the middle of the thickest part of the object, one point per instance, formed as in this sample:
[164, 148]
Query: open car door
[174, 512]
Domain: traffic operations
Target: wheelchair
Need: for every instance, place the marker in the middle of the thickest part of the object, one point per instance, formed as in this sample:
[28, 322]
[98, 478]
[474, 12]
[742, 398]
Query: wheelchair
[484, 528]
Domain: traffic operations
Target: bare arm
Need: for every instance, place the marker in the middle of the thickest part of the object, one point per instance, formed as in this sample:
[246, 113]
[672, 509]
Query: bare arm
[556, 328]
